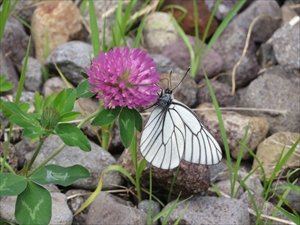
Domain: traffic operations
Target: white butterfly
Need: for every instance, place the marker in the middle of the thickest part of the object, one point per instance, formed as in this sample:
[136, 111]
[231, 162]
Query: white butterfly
[174, 132]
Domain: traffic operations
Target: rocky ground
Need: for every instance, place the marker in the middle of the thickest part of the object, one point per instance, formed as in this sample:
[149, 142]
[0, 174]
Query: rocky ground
[266, 96]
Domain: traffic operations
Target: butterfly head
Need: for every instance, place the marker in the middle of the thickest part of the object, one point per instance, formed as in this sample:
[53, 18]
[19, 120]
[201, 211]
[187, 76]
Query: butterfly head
[168, 91]
[165, 99]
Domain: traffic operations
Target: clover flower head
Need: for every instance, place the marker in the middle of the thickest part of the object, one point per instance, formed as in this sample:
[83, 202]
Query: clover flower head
[124, 77]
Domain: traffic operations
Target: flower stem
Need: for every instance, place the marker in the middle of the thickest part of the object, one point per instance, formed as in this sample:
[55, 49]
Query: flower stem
[60, 148]
[105, 133]
[133, 150]
[6, 165]
[6, 147]
[34, 155]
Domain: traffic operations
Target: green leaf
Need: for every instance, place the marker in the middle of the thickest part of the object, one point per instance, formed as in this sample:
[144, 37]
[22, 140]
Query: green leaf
[68, 116]
[138, 121]
[29, 120]
[38, 102]
[126, 124]
[20, 121]
[106, 116]
[54, 174]
[70, 100]
[34, 205]
[24, 106]
[60, 101]
[83, 90]
[11, 184]
[72, 136]
[33, 132]
[50, 98]
[4, 109]
[2, 78]
[14, 108]
[5, 85]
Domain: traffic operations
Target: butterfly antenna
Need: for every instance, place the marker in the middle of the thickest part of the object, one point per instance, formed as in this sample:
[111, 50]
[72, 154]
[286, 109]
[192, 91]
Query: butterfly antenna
[170, 80]
[181, 79]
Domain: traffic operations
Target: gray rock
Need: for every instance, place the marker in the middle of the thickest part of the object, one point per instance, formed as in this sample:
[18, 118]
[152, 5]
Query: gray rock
[76, 198]
[217, 169]
[25, 9]
[180, 54]
[286, 45]
[159, 31]
[61, 213]
[210, 210]
[223, 9]
[109, 209]
[155, 208]
[7, 68]
[15, 41]
[266, 56]
[225, 186]
[7, 208]
[265, 26]
[34, 76]
[164, 64]
[274, 91]
[71, 58]
[230, 47]
[27, 97]
[252, 182]
[221, 91]
[53, 85]
[95, 161]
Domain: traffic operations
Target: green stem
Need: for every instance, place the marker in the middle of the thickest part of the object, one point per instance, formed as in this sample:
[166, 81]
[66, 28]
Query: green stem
[5, 164]
[105, 134]
[6, 146]
[150, 196]
[133, 148]
[60, 148]
[42, 140]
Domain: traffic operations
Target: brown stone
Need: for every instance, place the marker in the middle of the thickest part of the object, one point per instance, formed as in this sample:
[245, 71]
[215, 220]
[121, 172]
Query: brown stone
[188, 24]
[54, 23]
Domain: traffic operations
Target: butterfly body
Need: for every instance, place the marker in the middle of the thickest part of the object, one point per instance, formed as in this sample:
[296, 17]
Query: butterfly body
[174, 132]
[165, 99]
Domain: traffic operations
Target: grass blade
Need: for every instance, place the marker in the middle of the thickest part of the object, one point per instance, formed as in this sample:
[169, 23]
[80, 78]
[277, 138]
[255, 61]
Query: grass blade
[94, 28]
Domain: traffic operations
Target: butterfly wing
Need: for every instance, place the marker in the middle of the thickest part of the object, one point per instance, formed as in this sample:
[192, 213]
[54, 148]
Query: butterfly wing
[176, 133]
[162, 141]
[200, 146]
